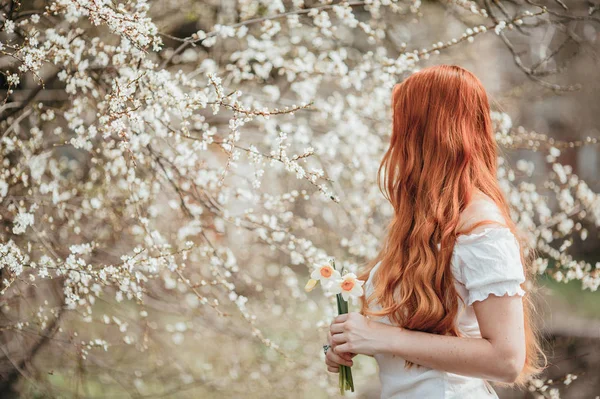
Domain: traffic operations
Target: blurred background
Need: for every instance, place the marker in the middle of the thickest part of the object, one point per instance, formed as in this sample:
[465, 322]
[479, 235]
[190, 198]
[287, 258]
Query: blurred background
[173, 170]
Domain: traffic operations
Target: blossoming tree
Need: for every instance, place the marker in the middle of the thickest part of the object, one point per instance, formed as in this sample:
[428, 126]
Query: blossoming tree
[165, 195]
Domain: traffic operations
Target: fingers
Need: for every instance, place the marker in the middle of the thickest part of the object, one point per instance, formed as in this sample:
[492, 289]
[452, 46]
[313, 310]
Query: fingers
[341, 318]
[332, 366]
[342, 348]
[330, 340]
[347, 356]
[336, 328]
[334, 360]
[338, 339]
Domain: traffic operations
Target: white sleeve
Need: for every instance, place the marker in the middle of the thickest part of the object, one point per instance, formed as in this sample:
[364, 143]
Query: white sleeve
[489, 262]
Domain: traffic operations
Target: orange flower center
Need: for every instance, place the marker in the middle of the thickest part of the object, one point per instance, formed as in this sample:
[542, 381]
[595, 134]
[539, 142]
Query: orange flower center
[326, 272]
[347, 285]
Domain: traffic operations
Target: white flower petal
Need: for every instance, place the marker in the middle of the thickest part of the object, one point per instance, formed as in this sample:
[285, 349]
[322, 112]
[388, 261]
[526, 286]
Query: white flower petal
[335, 289]
[356, 291]
[345, 295]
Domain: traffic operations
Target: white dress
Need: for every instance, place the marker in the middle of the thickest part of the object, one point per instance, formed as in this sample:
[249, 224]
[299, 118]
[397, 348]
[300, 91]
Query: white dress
[483, 263]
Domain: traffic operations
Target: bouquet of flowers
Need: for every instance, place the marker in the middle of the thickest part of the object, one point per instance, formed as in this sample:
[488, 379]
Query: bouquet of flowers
[344, 285]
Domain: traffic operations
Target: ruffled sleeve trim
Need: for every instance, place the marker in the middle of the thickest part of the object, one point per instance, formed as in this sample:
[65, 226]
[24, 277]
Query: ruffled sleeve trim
[488, 262]
[510, 288]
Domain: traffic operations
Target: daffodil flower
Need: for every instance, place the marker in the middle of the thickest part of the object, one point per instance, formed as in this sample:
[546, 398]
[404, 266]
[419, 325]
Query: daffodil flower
[326, 274]
[349, 286]
[344, 287]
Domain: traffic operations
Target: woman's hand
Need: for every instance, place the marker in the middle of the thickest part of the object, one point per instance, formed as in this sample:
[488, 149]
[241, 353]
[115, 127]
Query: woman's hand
[354, 333]
[333, 360]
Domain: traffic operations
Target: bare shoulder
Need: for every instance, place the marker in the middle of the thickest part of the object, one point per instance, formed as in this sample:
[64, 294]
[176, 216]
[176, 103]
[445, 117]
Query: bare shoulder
[480, 208]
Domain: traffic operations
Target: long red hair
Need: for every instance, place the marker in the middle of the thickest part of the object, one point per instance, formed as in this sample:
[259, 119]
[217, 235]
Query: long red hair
[442, 150]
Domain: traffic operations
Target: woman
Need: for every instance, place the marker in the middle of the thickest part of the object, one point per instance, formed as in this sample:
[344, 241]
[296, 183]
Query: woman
[444, 309]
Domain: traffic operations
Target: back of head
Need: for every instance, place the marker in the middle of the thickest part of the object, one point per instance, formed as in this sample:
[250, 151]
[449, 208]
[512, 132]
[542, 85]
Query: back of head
[442, 132]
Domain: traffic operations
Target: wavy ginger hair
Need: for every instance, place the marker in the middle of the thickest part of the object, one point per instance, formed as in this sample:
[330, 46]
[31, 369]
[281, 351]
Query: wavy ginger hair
[442, 152]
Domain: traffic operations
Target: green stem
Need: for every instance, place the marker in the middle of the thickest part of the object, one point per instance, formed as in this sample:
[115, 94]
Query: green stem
[350, 379]
[342, 380]
[346, 381]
